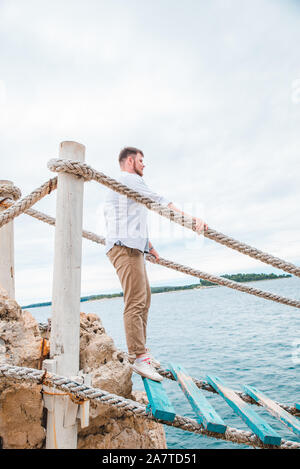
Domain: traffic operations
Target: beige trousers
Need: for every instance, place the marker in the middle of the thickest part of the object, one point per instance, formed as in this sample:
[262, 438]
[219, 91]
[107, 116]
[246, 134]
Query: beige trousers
[130, 266]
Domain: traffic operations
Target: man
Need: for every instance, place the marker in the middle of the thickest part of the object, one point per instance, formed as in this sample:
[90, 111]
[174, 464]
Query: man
[126, 242]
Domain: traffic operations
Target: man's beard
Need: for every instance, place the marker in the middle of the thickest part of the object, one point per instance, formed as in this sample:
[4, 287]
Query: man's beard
[137, 170]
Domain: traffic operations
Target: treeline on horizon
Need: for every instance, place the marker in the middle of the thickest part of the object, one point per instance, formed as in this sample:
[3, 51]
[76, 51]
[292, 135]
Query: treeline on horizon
[245, 278]
[115, 295]
[203, 283]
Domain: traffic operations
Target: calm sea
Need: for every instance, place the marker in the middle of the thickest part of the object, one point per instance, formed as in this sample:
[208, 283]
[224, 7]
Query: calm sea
[238, 337]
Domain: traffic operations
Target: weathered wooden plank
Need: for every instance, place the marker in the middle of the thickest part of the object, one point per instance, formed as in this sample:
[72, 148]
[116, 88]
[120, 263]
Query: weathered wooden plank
[205, 413]
[258, 425]
[291, 422]
[159, 402]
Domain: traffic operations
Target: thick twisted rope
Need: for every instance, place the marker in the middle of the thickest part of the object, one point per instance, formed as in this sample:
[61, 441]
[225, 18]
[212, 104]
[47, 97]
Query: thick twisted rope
[200, 383]
[26, 202]
[85, 171]
[88, 173]
[129, 407]
[8, 190]
[182, 268]
[24, 206]
[224, 282]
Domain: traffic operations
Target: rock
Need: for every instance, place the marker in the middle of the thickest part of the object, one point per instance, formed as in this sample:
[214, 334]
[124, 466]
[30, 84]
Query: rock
[20, 339]
[111, 371]
[21, 407]
[99, 357]
[22, 416]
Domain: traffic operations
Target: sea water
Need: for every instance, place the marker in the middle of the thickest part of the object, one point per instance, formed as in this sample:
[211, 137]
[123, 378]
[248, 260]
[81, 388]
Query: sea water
[238, 337]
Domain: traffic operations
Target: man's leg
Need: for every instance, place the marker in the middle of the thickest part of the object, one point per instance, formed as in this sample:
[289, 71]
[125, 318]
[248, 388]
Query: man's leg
[129, 264]
[154, 362]
[148, 302]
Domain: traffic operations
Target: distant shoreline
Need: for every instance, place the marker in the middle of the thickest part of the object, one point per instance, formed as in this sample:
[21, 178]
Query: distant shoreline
[164, 289]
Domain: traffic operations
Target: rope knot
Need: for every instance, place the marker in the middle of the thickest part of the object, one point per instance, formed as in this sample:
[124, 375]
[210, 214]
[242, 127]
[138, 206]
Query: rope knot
[9, 191]
[76, 168]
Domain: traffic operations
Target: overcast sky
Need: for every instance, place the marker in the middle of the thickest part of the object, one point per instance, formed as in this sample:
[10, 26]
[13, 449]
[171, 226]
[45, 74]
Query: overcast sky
[209, 90]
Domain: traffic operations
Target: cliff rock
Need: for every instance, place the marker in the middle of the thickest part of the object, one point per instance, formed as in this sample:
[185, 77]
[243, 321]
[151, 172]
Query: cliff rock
[22, 415]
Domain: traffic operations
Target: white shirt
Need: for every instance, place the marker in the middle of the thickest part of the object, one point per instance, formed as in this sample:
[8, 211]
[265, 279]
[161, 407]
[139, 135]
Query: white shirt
[126, 220]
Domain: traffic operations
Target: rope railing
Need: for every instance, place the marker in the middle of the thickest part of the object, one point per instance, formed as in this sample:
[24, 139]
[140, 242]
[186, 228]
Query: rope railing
[67, 285]
[224, 282]
[176, 266]
[182, 268]
[88, 173]
[26, 202]
[130, 407]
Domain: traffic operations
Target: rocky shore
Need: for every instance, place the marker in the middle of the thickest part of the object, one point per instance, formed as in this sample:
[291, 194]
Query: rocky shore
[22, 415]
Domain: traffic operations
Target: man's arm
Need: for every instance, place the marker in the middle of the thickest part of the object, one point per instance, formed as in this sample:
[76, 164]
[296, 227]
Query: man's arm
[140, 186]
[153, 251]
[200, 224]
[200, 227]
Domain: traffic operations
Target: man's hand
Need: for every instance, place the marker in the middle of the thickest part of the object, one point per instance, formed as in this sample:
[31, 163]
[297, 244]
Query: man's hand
[154, 253]
[201, 226]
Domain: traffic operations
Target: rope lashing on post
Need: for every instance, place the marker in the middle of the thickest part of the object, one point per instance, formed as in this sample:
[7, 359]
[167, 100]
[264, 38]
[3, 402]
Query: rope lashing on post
[71, 396]
[9, 191]
[181, 268]
[88, 173]
[129, 407]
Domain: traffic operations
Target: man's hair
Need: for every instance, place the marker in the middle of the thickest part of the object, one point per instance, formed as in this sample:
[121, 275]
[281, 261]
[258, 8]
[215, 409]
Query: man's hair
[128, 151]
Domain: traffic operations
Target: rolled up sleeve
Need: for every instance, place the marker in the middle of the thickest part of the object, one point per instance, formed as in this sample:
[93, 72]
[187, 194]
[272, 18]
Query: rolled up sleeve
[142, 187]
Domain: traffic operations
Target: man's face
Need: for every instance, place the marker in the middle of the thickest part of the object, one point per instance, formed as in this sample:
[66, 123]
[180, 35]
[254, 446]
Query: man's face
[138, 164]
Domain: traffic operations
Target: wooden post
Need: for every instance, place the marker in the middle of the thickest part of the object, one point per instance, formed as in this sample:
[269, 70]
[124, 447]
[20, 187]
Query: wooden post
[7, 270]
[65, 321]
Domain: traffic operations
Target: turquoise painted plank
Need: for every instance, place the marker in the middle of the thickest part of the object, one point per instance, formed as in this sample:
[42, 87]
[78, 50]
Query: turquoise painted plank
[159, 403]
[297, 406]
[205, 413]
[258, 425]
[291, 422]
